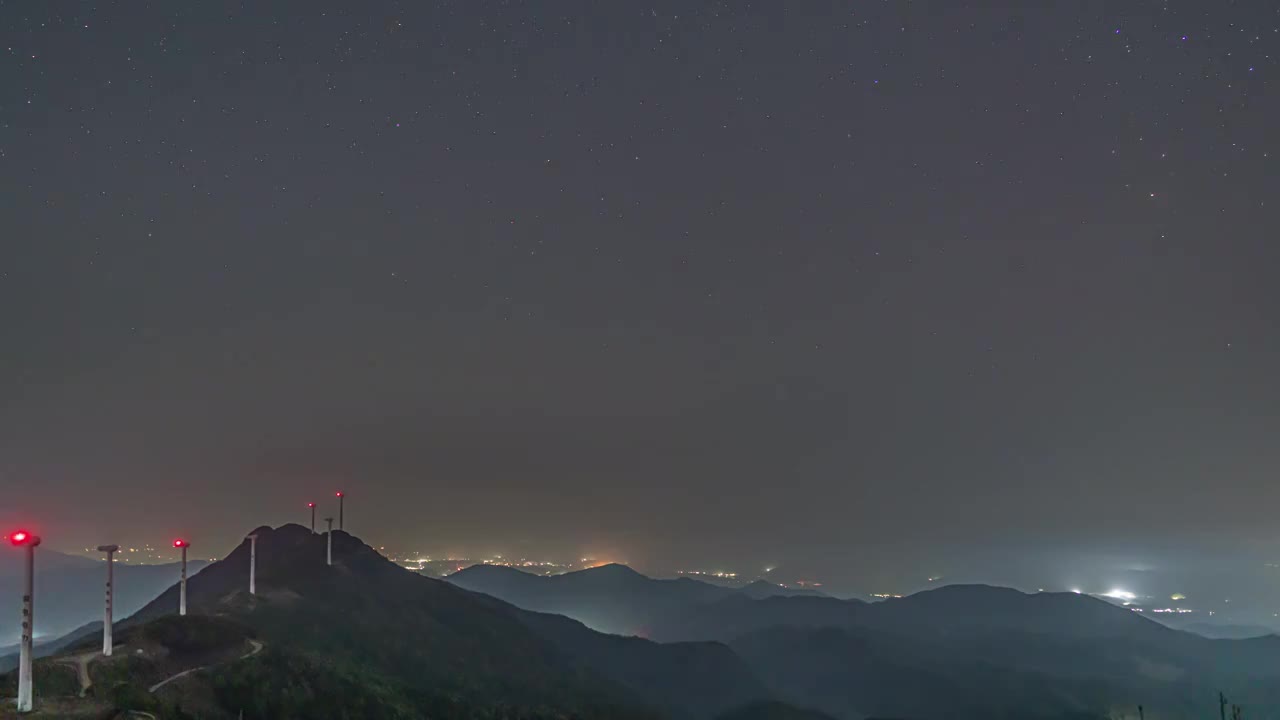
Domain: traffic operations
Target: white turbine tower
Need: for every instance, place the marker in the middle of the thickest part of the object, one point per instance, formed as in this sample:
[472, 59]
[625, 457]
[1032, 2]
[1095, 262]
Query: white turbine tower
[110, 550]
[24, 539]
[182, 584]
[328, 553]
[253, 563]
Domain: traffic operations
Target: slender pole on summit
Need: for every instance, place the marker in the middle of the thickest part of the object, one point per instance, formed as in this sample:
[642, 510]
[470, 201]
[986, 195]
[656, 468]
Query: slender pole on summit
[313, 517]
[342, 497]
[253, 563]
[182, 584]
[110, 550]
[328, 553]
[24, 539]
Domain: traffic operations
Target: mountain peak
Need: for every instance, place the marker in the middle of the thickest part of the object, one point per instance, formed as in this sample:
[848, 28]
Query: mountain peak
[760, 589]
[613, 569]
[474, 655]
[486, 574]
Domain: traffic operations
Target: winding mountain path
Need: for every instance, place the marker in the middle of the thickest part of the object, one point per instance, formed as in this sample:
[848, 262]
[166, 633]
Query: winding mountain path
[257, 648]
[81, 664]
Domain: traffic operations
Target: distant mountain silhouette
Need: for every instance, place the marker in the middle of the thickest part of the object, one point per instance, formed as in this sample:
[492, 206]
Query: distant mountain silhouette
[945, 652]
[687, 679]
[616, 599]
[428, 642]
[957, 651]
[70, 588]
[733, 616]
[761, 589]
[12, 567]
[611, 598]
[1227, 631]
[1210, 627]
[50, 646]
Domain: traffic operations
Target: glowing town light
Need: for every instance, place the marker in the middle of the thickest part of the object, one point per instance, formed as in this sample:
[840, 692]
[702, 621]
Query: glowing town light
[1118, 594]
[1077, 591]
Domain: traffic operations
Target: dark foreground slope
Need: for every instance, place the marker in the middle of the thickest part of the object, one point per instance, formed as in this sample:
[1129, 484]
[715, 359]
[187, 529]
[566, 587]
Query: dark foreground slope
[366, 638]
[364, 616]
[695, 679]
[977, 651]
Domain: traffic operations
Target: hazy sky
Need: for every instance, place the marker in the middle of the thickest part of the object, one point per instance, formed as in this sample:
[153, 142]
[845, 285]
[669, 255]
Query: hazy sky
[717, 280]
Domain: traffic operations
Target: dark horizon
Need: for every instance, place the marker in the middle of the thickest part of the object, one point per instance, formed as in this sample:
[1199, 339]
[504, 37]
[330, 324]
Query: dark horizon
[1224, 583]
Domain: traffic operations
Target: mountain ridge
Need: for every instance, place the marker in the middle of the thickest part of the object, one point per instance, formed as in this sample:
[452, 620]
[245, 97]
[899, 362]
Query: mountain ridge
[489, 644]
[1070, 655]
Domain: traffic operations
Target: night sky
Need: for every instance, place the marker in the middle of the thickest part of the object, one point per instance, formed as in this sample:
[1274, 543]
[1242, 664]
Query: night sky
[663, 282]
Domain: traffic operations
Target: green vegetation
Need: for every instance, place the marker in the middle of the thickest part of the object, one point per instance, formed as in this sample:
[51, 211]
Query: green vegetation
[366, 634]
[361, 639]
[49, 679]
[386, 666]
[191, 635]
[276, 684]
[108, 677]
[131, 696]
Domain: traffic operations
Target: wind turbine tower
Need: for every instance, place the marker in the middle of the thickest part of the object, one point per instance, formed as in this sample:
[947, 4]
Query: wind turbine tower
[182, 584]
[24, 539]
[253, 563]
[328, 553]
[110, 550]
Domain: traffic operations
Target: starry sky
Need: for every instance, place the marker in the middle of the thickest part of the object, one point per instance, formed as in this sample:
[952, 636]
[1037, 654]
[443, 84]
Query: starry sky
[660, 281]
